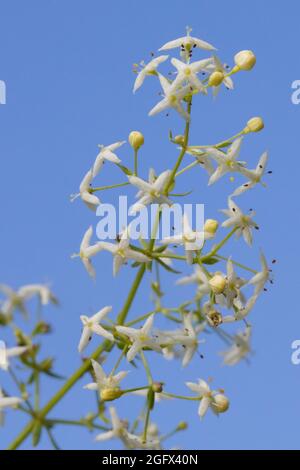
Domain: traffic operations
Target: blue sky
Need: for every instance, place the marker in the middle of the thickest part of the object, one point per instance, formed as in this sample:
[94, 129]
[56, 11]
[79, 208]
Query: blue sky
[68, 71]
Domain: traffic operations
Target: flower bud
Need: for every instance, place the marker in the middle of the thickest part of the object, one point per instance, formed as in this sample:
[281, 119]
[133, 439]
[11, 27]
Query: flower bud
[179, 139]
[157, 387]
[136, 139]
[217, 283]
[182, 426]
[211, 226]
[254, 124]
[245, 60]
[220, 403]
[110, 394]
[216, 78]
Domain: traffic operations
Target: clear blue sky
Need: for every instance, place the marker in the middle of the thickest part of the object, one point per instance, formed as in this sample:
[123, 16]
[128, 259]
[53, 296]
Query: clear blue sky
[68, 70]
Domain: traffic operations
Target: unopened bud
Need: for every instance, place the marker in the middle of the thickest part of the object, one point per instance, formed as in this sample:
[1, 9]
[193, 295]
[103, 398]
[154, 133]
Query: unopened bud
[254, 124]
[216, 78]
[136, 139]
[245, 60]
[182, 426]
[211, 226]
[110, 394]
[217, 283]
[179, 139]
[220, 403]
[157, 387]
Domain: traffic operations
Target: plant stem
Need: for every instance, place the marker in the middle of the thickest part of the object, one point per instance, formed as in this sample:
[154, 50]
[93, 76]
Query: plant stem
[135, 162]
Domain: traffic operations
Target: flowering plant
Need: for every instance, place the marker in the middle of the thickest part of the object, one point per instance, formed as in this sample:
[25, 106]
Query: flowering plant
[221, 296]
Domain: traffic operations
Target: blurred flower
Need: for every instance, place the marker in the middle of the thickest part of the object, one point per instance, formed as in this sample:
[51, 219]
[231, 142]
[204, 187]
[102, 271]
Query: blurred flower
[91, 325]
[148, 69]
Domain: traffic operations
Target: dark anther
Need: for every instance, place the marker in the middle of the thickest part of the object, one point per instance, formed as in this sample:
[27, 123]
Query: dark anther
[233, 209]
[260, 166]
[194, 45]
[256, 227]
[274, 261]
[246, 185]
[270, 172]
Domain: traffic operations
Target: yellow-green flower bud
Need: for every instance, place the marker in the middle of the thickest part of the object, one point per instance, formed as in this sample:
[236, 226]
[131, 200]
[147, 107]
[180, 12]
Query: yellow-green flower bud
[245, 60]
[216, 78]
[217, 283]
[179, 139]
[110, 394]
[220, 403]
[211, 226]
[254, 124]
[136, 139]
[214, 318]
[157, 387]
[182, 426]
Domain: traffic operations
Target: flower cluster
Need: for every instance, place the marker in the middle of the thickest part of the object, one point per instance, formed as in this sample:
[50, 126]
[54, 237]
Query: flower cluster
[226, 290]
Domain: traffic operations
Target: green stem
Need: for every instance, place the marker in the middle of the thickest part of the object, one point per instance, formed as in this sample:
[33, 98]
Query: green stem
[110, 186]
[253, 271]
[181, 397]
[147, 368]
[122, 315]
[135, 162]
[219, 245]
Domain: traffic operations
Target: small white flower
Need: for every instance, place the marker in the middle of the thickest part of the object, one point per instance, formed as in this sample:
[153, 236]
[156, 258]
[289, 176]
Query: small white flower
[198, 277]
[208, 398]
[187, 73]
[106, 153]
[187, 44]
[254, 176]
[191, 240]
[240, 348]
[7, 402]
[122, 252]
[189, 338]
[90, 200]
[17, 299]
[243, 222]
[227, 161]
[148, 69]
[11, 352]
[140, 338]
[91, 325]
[104, 381]
[172, 98]
[151, 192]
[203, 159]
[233, 285]
[86, 251]
[217, 66]
[241, 311]
[259, 280]
[119, 430]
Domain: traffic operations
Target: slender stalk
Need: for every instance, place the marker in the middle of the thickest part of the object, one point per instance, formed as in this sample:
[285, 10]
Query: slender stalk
[219, 245]
[110, 186]
[135, 162]
[240, 265]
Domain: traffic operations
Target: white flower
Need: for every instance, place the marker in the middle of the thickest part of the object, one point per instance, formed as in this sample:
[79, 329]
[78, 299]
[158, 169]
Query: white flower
[104, 381]
[243, 222]
[227, 162]
[241, 311]
[187, 44]
[189, 338]
[172, 98]
[119, 430]
[106, 153]
[259, 280]
[254, 176]
[90, 200]
[208, 398]
[240, 348]
[91, 325]
[202, 158]
[233, 285]
[150, 192]
[17, 299]
[148, 69]
[11, 352]
[217, 66]
[187, 73]
[191, 240]
[140, 338]
[86, 251]
[122, 252]
[7, 402]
